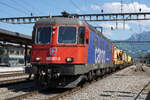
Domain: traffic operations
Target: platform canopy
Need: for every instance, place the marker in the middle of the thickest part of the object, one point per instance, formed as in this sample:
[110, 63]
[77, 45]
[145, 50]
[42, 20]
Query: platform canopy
[14, 37]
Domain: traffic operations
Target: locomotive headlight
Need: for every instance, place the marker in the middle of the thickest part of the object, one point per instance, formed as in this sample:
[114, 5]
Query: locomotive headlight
[69, 59]
[37, 59]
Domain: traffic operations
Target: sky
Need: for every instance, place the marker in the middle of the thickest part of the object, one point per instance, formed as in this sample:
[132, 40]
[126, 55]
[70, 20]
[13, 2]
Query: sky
[23, 8]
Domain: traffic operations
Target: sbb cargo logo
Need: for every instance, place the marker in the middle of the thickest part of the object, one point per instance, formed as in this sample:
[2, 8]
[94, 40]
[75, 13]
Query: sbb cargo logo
[52, 51]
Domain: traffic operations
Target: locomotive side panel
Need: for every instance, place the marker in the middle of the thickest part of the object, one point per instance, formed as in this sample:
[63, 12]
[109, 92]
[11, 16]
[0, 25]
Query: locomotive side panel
[100, 51]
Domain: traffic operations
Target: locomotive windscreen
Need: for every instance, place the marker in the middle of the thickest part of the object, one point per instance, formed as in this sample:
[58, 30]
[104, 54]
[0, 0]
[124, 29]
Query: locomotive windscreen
[67, 35]
[43, 35]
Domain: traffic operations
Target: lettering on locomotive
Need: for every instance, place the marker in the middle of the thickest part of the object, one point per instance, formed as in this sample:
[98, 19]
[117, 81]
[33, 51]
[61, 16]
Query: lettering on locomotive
[53, 58]
[99, 56]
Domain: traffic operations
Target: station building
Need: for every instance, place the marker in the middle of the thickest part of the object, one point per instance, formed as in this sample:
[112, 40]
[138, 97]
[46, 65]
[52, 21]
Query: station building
[12, 56]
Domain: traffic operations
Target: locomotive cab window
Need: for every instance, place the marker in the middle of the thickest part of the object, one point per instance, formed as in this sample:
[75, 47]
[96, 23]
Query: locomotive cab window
[67, 35]
[81, 33]
[43, 35]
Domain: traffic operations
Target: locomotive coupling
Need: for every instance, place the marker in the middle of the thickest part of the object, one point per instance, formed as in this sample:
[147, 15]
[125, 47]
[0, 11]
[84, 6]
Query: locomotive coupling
[56, 75]
[52, 74]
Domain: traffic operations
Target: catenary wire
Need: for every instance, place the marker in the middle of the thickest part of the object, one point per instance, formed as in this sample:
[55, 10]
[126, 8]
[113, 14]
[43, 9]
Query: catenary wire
[75, 5]
[31, 6]
[18, 10]
[21, 4]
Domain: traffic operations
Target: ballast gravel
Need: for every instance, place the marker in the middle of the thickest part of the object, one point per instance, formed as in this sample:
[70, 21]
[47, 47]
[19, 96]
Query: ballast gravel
[127, 84]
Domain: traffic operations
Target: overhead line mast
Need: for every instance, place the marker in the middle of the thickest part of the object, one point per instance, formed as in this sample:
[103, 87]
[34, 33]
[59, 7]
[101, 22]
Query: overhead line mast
[87, 17]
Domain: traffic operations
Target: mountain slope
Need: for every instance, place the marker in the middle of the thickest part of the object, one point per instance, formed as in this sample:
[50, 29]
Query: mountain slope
[144, 36]
[137, 49]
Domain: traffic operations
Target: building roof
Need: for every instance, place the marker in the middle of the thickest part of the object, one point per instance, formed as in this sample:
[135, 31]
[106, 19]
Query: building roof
[14, 37]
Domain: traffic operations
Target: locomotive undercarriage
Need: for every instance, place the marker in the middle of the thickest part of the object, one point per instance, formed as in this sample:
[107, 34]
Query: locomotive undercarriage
[67, 75]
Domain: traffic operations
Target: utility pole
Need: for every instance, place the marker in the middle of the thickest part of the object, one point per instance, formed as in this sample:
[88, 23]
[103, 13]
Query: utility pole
[121, 6]
[122, 12]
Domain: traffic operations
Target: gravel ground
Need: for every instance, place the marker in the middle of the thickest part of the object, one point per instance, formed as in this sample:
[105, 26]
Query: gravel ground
[40, 97]
[127, 84]
[15, 90]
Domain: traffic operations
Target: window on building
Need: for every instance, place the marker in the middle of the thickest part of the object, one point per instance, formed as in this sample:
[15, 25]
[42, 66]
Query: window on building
[0, 60]
[6, 51]
[1, 51]
[17, 52]
[11, 51]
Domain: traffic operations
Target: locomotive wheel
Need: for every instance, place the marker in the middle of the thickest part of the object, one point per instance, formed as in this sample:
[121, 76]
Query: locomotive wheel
[93, 75]
[89, 76]
[98, 72]
[36, 76]
[103, 71]
[109, 70]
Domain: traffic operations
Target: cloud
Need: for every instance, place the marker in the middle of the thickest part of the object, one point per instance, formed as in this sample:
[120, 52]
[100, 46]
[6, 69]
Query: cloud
[107, 33]
[112, 25]
[82, 9]
[141, 22]
[96, 7]
[115, 7]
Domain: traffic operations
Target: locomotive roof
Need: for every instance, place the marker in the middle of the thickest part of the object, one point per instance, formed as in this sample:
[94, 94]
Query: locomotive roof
[60, 20]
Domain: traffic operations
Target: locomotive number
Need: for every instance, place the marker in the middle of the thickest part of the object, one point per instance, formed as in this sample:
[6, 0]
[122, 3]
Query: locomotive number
[53, 58]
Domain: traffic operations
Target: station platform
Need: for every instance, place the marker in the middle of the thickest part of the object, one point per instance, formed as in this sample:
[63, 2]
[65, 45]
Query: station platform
[5, 69]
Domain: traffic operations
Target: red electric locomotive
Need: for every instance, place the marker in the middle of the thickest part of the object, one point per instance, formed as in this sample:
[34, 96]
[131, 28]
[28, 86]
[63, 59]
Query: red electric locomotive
[66, 51]
[56, 42]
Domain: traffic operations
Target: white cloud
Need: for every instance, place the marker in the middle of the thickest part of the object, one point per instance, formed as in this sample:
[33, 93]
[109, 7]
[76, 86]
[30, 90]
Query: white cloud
[107, 33]
[112, 25]
[115, 7]
[141, 22]
[82, 9]
[96, 7]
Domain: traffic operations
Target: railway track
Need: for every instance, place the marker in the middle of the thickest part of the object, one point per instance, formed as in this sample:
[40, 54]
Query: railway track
[72, 91]
[15, 78]
[40, 94]
[15, 90]
[12, 75]
[13, 81]
[43, 94]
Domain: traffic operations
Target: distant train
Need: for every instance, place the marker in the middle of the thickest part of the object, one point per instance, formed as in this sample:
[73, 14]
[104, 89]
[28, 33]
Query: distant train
[66, 51]
[11, 56]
